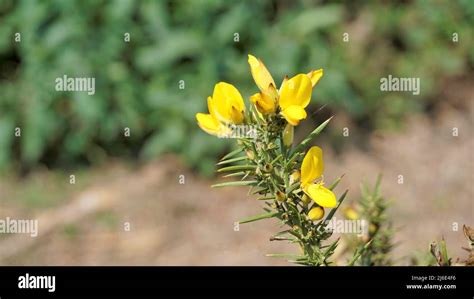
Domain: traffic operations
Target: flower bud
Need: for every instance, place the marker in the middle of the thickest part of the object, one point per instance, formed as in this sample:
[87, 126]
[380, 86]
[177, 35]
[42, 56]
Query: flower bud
[268, 167]
[372, 228]
[288, 135]
[250, 155]
[295, 176]
[350, 213]
[305, 199]
[280, 196]
[316, 213]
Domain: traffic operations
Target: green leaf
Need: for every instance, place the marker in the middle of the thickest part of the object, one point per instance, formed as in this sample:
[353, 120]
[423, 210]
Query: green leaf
[259, 217]
[377, 185]
[232, 160]
[237, 167]
[232, 153]
[266, 198]
[236, 183]
[234, 174]
[292, 188]
[444, 252]
[276, 159]
[330, 250]
[286, 256]
[358, 253]
[302, 146]
[336, 182]
[259, 191]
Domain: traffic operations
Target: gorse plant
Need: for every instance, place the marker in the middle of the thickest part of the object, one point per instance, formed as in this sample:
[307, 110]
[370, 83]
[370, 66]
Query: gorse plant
[288, 178]
[373, 248]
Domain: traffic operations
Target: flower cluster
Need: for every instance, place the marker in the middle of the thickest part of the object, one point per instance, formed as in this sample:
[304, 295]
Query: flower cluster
[288, 177]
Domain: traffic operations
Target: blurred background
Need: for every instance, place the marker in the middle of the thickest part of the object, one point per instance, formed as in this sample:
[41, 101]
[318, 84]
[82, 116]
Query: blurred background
[145, 199]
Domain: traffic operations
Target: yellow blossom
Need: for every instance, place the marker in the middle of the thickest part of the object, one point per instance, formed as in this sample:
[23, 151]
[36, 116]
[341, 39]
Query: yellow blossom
[226, 106]
[292, 98]
[295, 95]
[311, 169]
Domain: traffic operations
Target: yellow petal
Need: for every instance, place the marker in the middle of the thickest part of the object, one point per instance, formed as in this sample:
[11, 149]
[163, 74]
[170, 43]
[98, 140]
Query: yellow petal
[210, 107]
[296, 91]
[321, 195]
[260, 74]
[272, 94]
[283, 83]
[211, 125]
[315, 76]
[294, 114]
[236, 115]
[316, 213]
[226, 99]
[312, 166]
[264, 103]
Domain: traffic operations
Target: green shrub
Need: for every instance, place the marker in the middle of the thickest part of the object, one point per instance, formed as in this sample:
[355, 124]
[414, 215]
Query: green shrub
[137, 83]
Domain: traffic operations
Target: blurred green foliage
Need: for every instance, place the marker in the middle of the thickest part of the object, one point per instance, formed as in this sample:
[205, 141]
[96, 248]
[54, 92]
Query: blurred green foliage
[137, 83]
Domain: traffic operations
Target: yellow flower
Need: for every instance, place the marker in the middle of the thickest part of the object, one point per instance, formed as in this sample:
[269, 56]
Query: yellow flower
[294, 94]
[316, 213]
[227, 103]
[311, 169]
[312, 166]
[226, 106]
